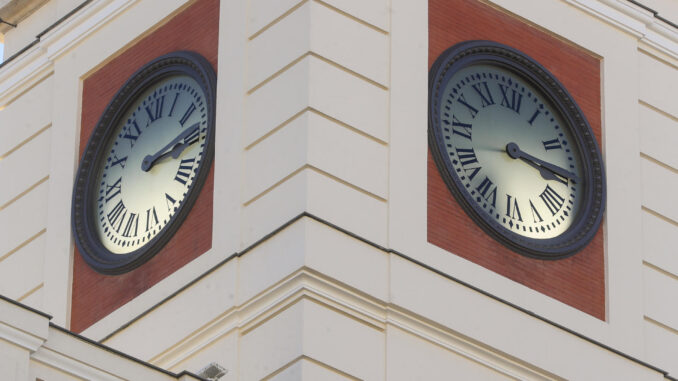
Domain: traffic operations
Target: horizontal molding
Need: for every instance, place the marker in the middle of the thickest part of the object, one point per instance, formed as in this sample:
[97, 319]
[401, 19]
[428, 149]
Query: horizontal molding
[18, 229]
[651, 159]
[23, 193]
[322, 31]
[84, 357]
[660, 288]
[306, 284]
[467, 348]
[658, 110]
[311, 109]
[303, 358]
[660, 270]
[23, 74]
[657, 186]
[634, 20]
[329, 6]
[349, 71]
[316, 193]
[30, 292]
[353, 17]
[23, 244]
[201, 340]
[299, 143]
[659, 238]
[37, 61]
[277, 19]
[23, 142]
[659, 215]
[20, 118]
[22, 339]
[314, 83]
[665, 327]
[315, 55]
[71, 366]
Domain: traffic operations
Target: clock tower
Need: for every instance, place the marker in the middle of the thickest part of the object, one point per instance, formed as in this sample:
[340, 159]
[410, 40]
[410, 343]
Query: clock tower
[379, 190]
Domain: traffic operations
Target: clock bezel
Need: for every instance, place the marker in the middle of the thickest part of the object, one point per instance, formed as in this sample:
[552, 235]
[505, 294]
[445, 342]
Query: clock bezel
[589, 217]
[85, 188]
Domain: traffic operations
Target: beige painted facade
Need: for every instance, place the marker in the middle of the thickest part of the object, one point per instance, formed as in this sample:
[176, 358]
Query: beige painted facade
[321, 108]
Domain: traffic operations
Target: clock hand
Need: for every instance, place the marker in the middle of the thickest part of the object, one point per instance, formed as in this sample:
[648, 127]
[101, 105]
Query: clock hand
[547, 170]
[175, 146]
[179, 148]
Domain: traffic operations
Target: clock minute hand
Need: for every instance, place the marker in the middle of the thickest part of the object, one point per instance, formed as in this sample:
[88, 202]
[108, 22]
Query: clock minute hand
[179, 148]
[150, 160]
[514, 152]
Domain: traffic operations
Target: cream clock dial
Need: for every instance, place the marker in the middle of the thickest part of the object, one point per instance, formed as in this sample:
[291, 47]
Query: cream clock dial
[157, 150]
[508, 147]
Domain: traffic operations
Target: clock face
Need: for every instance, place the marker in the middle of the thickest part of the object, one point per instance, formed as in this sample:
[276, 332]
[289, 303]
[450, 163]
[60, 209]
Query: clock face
[156, 150]
[488, 108]
[515, 150]
[145, 163]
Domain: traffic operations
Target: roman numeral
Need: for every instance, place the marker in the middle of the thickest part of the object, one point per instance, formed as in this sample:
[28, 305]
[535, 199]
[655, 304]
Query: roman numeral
[168, 200]
[459, 128]
[468, 156]
[552, 144]
[193, 136]
[486, 96]
[174, 103]
[130, 135]
[154, 108]
[512, 208]
[187, 114]
[184, 170]
[152, 217]
[117, 213]
[534, 116]
[120, 162]
[552, 200]
[488, 190]
[470, 108]
[113, 190]
[514, 102]
[132, 225]
[535, 213]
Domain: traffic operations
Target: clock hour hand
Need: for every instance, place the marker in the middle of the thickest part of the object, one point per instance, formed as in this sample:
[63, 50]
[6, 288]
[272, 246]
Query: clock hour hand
[175, 148]
[546, 170]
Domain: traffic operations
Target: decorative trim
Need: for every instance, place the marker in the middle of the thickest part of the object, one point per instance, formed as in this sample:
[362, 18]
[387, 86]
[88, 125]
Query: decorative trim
[58, 358]
[306, 284]
[370, 307]
[20, 338]
[74, 367]
[611, 12]
[634, 19]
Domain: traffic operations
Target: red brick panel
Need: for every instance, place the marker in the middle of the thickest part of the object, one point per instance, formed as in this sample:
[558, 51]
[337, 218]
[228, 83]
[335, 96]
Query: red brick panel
[95, 295]
[578, 281]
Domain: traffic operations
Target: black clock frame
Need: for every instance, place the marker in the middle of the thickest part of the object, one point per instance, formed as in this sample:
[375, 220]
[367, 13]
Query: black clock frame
[589, 217]
[84, 190]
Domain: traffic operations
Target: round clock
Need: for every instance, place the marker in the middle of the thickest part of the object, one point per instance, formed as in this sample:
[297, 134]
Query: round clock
[145, 163]
[515, 150]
